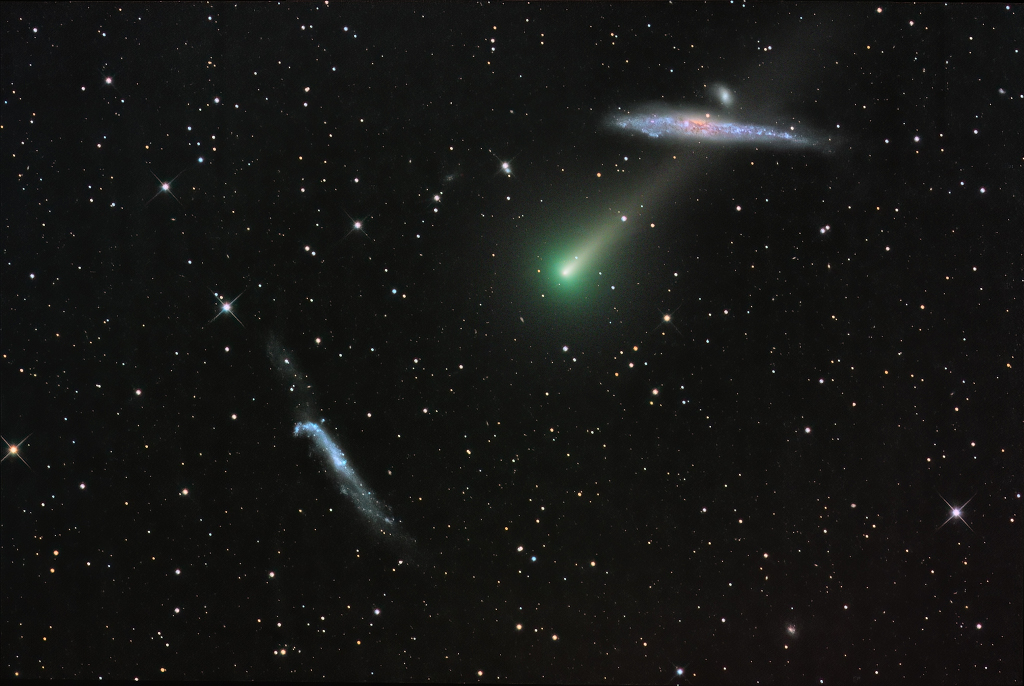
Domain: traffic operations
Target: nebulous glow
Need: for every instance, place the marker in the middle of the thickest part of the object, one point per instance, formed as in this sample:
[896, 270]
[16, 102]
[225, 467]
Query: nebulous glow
[583, 256]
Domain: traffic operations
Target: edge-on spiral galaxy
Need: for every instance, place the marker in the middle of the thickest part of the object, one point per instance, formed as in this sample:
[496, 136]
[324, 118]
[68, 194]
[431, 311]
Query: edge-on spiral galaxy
[349, 482]
[686, 126]
[372, 508]
[365, 501]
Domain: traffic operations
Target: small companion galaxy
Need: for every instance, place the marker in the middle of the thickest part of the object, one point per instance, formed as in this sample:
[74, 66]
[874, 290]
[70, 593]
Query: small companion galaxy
[512, 343]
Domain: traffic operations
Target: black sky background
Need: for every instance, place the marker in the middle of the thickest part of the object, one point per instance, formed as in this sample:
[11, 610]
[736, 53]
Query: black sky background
[771, 514]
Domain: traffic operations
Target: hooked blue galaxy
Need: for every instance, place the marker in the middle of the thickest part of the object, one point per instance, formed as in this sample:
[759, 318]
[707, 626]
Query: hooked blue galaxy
[368, 504]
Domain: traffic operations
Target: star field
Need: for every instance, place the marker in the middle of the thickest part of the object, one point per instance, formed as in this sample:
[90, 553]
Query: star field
[347, 342]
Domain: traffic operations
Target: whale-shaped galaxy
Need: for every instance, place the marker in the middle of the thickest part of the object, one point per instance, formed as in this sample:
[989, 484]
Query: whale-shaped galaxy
[689, 126]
